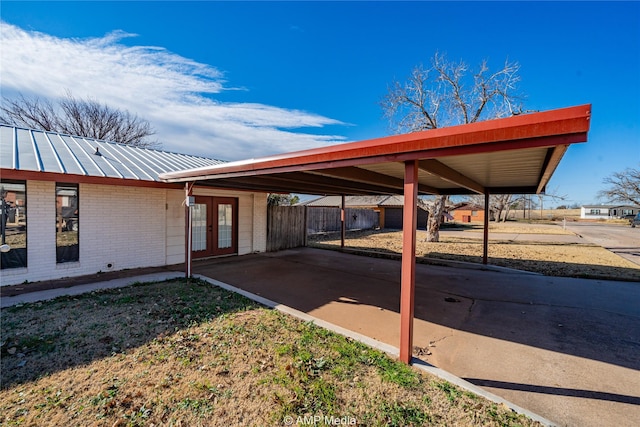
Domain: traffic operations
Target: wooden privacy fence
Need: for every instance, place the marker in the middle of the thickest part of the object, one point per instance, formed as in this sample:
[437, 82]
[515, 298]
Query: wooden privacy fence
[321, 220]
[288, 226]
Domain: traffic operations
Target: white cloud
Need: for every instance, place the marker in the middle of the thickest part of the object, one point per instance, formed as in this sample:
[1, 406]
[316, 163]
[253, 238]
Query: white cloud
[172, 92]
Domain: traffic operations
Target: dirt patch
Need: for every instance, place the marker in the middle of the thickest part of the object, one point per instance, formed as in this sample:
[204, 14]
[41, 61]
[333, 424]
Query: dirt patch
[549, 258]
[187, 353]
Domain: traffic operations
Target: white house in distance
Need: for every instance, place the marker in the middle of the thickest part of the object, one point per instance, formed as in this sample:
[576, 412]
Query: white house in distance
[73, 206]
[607, 211]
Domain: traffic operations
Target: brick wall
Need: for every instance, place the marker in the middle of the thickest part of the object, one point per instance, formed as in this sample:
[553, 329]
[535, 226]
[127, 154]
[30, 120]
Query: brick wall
[175, 226]
[123, 227]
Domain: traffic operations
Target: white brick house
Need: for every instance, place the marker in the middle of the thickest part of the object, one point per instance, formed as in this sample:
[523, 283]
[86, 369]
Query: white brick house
[118, 214]
[608, 211]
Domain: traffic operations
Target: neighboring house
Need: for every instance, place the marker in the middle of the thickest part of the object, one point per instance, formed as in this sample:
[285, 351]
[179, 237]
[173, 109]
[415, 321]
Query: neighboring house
[607, 211]
[467, 212]
[389, 208]
[73, 206]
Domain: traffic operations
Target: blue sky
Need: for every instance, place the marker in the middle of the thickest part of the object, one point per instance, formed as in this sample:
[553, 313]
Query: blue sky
[235, 80]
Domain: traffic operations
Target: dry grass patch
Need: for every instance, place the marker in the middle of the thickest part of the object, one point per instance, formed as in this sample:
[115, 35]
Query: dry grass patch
[190, 354]
[520, 228]
[549, 258]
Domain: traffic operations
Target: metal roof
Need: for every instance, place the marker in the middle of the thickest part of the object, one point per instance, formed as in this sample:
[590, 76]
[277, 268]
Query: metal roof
[610, 206]
[51, 152]
[514, 155]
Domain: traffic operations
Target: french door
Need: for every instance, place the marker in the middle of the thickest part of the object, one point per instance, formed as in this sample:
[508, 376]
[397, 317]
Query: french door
[214, 226]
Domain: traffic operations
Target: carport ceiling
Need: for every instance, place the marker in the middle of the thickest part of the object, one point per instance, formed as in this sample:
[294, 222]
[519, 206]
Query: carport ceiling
[511, 155]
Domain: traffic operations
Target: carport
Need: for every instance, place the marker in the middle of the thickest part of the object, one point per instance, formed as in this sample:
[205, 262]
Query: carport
[512, 155]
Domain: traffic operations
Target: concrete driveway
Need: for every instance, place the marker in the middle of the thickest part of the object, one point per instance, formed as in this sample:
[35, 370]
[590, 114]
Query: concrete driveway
[619, 239]
[567, 349]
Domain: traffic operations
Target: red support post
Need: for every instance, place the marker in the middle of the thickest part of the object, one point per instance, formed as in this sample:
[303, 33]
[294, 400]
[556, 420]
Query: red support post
[343, 222]
[408, 278]
[485, 241]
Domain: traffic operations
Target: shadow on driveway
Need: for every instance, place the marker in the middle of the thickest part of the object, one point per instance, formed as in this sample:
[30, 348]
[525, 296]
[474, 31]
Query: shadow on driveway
[552, 345]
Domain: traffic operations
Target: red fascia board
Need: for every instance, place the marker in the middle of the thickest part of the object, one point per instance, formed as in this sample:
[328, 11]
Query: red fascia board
[27, 175]
[361, 161]
[24, 175]
[517, 132]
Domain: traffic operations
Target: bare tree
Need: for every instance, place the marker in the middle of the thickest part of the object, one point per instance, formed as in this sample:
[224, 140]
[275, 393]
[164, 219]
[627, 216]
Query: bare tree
[274, 199]
[448, 93]
[623, 187]
[82, 117]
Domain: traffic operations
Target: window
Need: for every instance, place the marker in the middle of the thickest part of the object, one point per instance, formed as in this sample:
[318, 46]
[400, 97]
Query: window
[67, 223]
[13, 224]
[594, 212]
[199, 227]
[225, 226]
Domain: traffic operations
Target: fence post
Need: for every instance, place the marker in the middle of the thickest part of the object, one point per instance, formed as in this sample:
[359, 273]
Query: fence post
[305, 226]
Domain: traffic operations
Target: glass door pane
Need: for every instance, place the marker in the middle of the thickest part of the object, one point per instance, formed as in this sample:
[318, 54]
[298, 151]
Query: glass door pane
[225, 226]
[199, 227]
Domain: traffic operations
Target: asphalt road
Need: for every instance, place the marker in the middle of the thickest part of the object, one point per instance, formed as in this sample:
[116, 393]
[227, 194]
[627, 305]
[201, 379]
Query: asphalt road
[619, 239]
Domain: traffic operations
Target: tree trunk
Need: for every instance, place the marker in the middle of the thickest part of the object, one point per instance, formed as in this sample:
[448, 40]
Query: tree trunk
[506, 213]
[498, 213]
[435, 219]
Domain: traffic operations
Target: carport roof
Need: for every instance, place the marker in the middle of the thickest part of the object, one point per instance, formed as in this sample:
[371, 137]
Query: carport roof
[510, 155]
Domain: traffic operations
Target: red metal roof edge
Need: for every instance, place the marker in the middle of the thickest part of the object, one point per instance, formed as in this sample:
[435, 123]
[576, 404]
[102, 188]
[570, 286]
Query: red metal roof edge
[564, 121]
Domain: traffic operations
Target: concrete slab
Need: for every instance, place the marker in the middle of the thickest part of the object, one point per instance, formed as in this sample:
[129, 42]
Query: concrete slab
[567, 349]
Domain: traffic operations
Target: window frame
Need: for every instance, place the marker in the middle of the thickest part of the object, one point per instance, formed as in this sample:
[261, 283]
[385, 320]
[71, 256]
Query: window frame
[74, 222]
[26, 225]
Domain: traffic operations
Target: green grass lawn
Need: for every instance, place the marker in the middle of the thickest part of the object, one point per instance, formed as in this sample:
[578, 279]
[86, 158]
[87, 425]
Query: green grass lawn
[190, 354]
